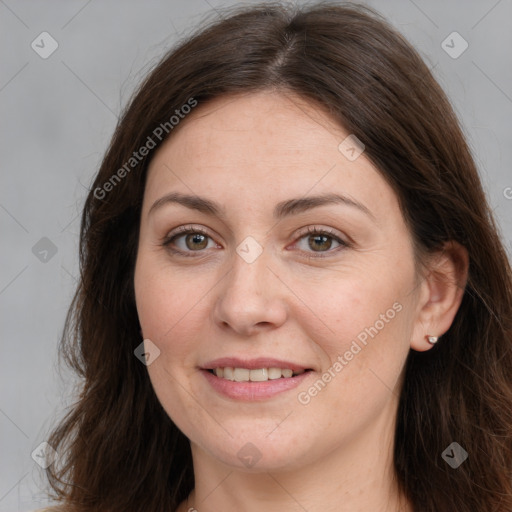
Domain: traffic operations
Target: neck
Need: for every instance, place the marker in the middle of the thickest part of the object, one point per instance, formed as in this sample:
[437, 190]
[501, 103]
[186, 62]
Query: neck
[357, 476]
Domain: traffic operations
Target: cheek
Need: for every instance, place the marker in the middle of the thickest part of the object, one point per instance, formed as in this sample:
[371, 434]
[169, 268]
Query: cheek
[358, 305]
[173, 307]
[169, 306]
[162, 296]
[363, 350]
[361, 324]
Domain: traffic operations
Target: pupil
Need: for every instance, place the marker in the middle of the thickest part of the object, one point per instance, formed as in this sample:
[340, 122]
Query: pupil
[324, 245]
[196, 238]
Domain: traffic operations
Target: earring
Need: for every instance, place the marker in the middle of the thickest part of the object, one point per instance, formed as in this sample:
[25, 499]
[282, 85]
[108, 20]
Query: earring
[432, 339]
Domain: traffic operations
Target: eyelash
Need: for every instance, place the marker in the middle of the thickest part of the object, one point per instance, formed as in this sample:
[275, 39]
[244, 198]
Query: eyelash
[312, 230]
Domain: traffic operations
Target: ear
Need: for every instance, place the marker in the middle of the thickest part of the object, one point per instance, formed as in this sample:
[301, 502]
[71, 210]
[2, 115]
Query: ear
[441, 291]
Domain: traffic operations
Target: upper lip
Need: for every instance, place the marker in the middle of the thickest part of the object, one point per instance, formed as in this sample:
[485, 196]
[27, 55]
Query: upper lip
[253, 364]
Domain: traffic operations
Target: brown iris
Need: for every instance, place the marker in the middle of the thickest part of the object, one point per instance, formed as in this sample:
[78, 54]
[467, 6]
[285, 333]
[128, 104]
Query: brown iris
[196, 238]
[324, 244]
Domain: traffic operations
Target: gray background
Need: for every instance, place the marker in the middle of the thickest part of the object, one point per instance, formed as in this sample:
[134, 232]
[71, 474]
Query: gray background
[58, 115]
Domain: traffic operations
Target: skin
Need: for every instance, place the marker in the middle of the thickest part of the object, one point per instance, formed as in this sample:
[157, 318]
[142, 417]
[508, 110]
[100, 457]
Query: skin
[248, 153]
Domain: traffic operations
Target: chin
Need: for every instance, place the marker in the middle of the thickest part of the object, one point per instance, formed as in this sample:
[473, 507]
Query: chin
[262, 446]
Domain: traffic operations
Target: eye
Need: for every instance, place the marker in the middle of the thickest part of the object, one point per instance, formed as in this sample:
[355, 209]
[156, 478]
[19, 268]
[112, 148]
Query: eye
[320, 240]
[188, 239]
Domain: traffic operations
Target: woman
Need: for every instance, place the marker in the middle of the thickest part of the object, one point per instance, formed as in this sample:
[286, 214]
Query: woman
[293, 294]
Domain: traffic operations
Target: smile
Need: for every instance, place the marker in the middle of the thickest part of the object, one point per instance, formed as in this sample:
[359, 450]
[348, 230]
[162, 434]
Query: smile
[254, 375]
[255, 384]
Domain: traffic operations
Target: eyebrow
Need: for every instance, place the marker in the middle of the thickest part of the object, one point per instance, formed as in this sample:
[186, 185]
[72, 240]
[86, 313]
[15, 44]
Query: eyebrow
[281, 210]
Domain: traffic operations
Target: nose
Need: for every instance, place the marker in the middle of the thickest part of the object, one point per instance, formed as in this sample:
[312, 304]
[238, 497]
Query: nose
[250, 298]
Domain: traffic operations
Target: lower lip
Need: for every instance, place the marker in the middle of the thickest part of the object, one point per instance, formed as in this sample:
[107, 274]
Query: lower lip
[253, 391]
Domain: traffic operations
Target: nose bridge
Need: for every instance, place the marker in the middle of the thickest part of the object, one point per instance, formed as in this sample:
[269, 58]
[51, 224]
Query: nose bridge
[248, 278]
[249, 262]
[249, 295]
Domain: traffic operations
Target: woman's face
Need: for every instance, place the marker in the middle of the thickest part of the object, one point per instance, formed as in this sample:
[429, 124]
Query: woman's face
[254, 291]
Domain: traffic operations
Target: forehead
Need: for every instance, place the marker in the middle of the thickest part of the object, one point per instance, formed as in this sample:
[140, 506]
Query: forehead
[263, 147]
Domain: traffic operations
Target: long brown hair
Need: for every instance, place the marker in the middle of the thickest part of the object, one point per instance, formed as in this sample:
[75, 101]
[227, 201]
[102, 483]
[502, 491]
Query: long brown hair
[119, 449]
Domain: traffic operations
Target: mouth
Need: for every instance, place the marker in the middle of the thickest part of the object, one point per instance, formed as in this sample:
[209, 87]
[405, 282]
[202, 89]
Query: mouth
[235, 374]
[254, 380]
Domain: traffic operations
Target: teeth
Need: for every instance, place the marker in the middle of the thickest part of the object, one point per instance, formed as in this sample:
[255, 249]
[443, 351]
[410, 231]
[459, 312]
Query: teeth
[259, 375]
[256, 375]
[241, 374]
[274, 373]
